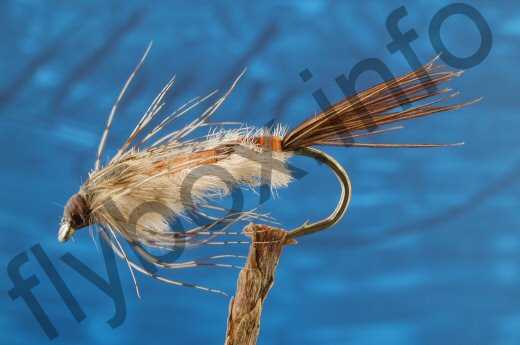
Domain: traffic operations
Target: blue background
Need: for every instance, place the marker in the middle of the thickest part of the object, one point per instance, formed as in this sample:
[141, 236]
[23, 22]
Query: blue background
[429, 250]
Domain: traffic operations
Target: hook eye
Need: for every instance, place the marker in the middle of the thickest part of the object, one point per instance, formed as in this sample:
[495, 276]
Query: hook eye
[65, 232]
[346, 188]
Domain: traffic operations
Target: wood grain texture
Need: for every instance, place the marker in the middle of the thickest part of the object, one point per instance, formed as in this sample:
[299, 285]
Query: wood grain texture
[254, 282]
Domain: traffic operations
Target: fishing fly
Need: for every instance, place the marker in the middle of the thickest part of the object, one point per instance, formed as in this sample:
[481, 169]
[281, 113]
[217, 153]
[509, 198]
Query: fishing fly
[154, 166]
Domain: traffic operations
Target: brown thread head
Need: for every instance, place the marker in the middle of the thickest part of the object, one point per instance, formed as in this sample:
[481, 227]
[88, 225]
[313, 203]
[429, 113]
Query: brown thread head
[77, 212]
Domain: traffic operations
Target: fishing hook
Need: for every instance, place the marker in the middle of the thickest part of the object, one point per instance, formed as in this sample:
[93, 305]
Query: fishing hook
[346, 188]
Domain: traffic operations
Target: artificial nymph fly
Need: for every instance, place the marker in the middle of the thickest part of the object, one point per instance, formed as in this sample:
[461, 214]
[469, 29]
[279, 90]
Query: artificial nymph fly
[154, 166]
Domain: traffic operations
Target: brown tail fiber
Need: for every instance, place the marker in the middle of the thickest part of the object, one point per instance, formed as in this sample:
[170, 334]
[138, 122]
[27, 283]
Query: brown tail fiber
[386, 103]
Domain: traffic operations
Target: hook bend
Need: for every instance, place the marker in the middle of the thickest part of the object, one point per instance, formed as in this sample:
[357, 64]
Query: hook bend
[346, 189]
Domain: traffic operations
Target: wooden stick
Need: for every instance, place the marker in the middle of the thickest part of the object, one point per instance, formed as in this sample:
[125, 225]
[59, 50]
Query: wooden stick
[254, 282]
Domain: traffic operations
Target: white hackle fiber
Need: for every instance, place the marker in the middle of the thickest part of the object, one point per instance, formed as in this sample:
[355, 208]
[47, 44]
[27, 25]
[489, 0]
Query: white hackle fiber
[178, 175]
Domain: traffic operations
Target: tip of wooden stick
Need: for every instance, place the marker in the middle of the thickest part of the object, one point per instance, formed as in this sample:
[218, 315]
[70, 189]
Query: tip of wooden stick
[290, 241]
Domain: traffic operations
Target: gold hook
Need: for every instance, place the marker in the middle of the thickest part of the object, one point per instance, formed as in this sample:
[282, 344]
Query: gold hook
[341, 208]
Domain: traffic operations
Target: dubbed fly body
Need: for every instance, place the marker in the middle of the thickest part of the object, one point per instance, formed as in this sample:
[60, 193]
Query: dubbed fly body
[157, 174]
